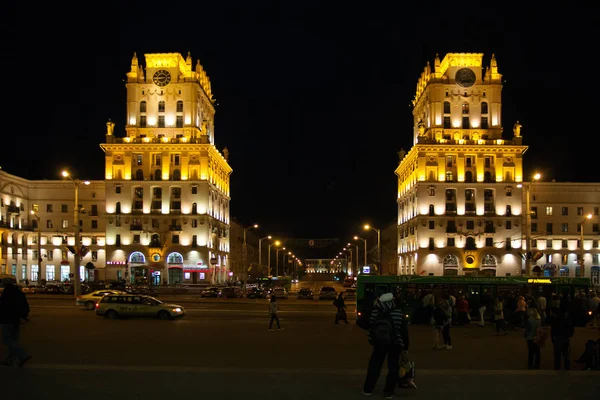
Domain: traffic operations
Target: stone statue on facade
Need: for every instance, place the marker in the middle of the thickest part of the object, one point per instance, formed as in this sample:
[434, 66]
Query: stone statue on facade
[517, 129]
[226, 154]
[110, 127]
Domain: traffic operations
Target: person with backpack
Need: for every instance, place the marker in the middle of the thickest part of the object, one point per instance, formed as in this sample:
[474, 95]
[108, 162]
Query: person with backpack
[388, 334]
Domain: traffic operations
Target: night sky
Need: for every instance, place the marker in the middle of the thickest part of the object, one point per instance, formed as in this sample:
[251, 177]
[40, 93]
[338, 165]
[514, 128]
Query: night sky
[313, 99]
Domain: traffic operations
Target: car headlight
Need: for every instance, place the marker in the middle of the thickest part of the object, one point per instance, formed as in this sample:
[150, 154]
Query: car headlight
[177, 309]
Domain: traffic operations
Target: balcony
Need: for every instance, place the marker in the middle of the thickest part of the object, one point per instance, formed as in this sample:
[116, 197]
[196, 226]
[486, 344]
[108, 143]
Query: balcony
[13, 210]
[135, 227]
[174, 227]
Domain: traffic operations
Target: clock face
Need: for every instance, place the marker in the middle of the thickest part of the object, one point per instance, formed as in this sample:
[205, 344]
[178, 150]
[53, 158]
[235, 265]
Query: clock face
[161, 78]
[465, 77]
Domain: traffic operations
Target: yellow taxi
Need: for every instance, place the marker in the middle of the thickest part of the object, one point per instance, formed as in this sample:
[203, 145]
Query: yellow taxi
[113, 306]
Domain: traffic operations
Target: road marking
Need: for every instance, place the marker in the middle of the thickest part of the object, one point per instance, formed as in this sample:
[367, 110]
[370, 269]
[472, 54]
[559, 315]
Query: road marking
[293, 371]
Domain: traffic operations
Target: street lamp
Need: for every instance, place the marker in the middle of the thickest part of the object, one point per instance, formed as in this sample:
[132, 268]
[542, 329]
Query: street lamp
[581, 250]
[369, 227]
[528, 254]
[277, 260]
[365, 242]
[77, 246]
[277, 243]
[245, 249]
[355, 245]
[260, 248]
[39, 241]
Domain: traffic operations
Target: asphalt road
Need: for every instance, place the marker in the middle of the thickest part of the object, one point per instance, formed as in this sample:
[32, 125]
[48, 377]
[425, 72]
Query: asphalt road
[222, 350]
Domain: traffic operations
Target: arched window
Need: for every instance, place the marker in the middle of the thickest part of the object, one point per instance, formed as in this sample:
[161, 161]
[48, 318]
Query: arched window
[450, 261]
[142, 106]
[161, 106]
[431, 210]
[174, 258]
[489, 261]
[179, 106]
[139, 175]
[118, 207]
[487, 176]
[194, 208]
[155, 240]
[508, 211]
[470, 243]
[176, 175]
[465, 108]
[468, 176]
[137, 257]
[157, 175]
[484, 107]
[446, 107]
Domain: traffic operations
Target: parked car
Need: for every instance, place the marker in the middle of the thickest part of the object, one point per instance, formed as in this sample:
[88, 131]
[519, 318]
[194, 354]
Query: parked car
[327, 293]
[211, 291]
[89, 300]
[231, 292]
[279, 293]
[305, 294]
[256, 293]
[114, 306]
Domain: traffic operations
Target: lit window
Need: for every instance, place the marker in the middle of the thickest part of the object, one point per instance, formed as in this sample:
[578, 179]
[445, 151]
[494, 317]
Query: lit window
[548, 210]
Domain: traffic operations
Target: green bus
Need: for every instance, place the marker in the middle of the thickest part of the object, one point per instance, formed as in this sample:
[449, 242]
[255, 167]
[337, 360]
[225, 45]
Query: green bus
[410, 289]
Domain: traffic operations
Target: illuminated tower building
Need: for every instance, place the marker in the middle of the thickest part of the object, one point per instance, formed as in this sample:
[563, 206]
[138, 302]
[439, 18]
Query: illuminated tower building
[459, 207]
[167, 185]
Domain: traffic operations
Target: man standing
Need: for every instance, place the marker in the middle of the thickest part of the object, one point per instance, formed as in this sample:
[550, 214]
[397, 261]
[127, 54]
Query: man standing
[561, 331]
[14, 310]
[388, 334]
[340, 315]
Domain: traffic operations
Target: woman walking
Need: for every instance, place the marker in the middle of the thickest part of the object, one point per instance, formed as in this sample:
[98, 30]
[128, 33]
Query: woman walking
[274, 312]
[531, 331]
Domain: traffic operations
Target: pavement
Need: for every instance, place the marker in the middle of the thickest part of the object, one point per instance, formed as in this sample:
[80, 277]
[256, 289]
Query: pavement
[224, 351]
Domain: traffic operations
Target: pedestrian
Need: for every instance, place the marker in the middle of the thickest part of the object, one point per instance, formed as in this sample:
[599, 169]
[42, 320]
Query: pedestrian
[541, 304]
[388, 334]
[462, 306]
[274, 313]
[594, 306]
[531, 331]
[521, 313]
[340, 314]
[561, 331]
[14, 311]
[444, 305]
[499, 316]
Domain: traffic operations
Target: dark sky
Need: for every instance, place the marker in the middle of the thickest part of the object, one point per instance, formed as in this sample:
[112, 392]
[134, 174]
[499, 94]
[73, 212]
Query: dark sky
[313, 97]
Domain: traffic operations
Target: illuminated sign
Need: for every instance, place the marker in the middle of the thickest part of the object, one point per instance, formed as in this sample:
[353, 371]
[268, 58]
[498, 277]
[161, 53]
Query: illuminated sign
[155, 257]
[539, 281]
[366, 269]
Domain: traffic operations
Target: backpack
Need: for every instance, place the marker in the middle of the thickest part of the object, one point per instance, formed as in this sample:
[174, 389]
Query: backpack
[382, 331]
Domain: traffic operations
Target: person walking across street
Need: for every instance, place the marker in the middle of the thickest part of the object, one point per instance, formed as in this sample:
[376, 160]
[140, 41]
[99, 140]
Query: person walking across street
[340, 314]
[274, 313]
[14, 311]
[388, 334]
[499, 316]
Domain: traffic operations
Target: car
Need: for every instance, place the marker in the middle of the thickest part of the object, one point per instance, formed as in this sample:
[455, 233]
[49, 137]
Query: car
[89, 300]
[279, 293]
[113, 306]
[231, 292]
[350, 294]
[256, 293]
[211, 291]
[305, 294]
[327, 293]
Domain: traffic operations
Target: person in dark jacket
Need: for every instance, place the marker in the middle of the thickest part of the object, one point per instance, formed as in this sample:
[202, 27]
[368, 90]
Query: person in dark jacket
[14, 310]
[561, 331]
[340, 303]
[386, 304]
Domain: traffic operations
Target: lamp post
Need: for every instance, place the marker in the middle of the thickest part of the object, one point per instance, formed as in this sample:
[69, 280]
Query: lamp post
[355, 245]
[528, 254]
[277, 260]
[581, 249]
[277, 243]
[245, 250]
[365, 255]
[39, 241]
[260, 249]
[368, 227]
[77, 246]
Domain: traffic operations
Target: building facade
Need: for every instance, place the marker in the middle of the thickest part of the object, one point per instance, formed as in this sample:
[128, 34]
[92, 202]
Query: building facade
[162, 213]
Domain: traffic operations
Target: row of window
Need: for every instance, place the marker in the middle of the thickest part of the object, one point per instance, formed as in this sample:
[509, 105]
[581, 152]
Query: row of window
[161, 106]
[564, 228]
[563, 211]
[471, 244]
[50, 255]
[65, 224]
[64, 208]
[464, 106]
